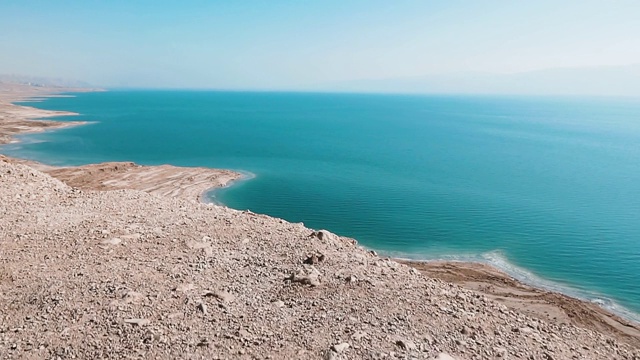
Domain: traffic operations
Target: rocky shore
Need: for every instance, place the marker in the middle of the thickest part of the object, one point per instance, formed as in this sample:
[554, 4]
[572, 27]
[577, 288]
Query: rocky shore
[16, 119]
[143, 270]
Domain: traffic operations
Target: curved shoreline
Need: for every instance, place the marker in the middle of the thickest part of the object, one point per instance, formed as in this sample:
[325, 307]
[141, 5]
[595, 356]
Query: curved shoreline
[153, 179]
[552, 302]
[521, 276]
[526, 278]
[19, 119]
[208, 195]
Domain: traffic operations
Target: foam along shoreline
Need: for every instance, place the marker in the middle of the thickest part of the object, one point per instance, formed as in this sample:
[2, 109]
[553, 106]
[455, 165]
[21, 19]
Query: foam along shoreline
[496, 260]
[195, 183]
[493, 276]
[209, 195]
[552, 306]
[494, 264]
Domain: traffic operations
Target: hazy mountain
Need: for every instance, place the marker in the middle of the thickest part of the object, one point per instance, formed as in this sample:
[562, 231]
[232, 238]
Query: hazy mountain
[42, 81]
[607, 81]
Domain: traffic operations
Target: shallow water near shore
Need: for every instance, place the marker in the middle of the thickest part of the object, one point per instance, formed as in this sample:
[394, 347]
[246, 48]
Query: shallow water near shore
[548, 189]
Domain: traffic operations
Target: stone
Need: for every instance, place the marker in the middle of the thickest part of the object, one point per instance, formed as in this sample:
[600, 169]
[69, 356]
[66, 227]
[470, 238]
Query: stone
[139, 322]
[306, 277]
[131, 237]
[444, 356]
[202, 307]
[500, 351]
[192, 244]
[220, 295]
[112, 241]
[184, 287]
[326, 236]
[340, 347]
[330, 355]
[314, 259]
[407, 345]
[133, 297]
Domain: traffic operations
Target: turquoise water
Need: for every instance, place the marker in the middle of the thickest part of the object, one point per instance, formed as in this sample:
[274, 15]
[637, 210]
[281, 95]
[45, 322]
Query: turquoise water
[546, 188]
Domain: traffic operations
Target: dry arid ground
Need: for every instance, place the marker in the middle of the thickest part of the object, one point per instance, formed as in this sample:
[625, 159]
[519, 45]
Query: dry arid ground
[153, 273]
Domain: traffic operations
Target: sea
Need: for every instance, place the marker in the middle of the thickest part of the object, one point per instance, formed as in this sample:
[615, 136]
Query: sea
[545, 188]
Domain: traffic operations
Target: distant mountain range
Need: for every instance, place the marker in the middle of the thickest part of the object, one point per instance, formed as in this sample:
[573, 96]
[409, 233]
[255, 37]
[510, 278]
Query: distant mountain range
[606, 81]
[43, 81]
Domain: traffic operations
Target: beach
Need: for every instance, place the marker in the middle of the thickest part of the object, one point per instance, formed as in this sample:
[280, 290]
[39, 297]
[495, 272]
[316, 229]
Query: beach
[125, 259]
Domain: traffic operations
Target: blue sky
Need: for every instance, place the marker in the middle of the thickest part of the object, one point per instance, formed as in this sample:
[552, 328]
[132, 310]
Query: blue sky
[304, 44]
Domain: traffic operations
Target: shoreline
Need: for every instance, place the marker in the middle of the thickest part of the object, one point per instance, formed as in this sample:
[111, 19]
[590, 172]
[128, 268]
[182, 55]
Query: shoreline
[206, 198]
[167, 181]
[18, 119]
[526, 278]
[535, 301]
[162, 180]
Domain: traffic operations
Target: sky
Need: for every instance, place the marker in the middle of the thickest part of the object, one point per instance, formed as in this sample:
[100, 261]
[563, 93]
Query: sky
[272, 44]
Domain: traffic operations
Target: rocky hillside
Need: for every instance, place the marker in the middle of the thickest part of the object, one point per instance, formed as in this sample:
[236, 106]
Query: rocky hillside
[127, 274]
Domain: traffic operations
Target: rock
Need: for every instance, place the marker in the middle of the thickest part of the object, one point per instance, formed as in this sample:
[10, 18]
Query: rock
[175, 315]
[340, 347]
[244, 334]
[139, 322]
[112, 241]
[461, 342]
[307, 277]
[202, 307]
[407, 345]
[444, 356]
[131, 237]
[500, 351]
[184, 288]
[326, 236]
[358, 335]
[133, 297]
[314, 259]
[203, 343]
[330, 355]
[220, 295]
[192, 244]
[278, 303]
[526, 330]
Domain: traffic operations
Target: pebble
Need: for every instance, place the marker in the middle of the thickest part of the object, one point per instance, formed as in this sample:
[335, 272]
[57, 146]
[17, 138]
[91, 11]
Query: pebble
[340, 347]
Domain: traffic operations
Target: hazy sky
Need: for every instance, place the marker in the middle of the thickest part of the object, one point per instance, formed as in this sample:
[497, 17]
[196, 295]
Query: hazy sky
[294, 44]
